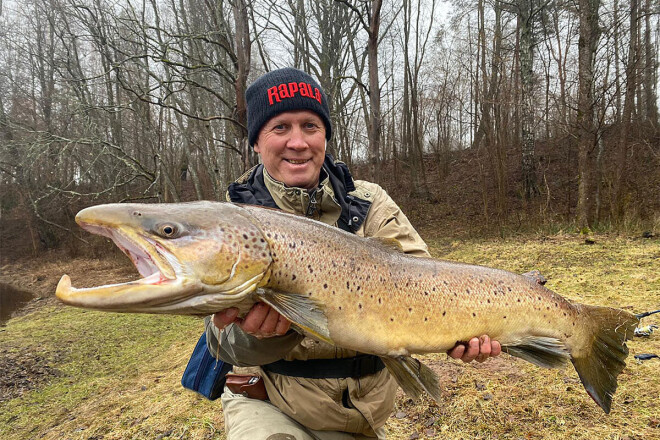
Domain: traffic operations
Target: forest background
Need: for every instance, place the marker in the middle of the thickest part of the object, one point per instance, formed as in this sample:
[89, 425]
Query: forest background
[475, 115]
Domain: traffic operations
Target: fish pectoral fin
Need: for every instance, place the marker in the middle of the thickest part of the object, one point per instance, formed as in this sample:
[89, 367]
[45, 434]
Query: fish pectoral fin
[543, 351]
[305, 313]
[413, 376]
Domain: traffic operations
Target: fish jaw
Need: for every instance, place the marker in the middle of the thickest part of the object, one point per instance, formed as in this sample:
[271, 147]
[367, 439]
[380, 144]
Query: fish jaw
[194, 271]
[164, 279]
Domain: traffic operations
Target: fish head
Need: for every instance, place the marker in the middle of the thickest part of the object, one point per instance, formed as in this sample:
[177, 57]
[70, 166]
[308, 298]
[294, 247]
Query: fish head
[194, 258]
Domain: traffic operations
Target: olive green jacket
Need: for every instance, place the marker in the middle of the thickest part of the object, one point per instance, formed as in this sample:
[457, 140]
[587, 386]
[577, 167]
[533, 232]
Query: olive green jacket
[317, 403]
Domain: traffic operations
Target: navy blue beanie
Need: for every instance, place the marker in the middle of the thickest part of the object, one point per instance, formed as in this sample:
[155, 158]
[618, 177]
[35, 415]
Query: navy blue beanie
[280, 91]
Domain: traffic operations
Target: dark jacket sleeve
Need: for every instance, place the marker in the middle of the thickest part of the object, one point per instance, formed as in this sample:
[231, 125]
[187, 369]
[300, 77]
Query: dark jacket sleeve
[241, 349]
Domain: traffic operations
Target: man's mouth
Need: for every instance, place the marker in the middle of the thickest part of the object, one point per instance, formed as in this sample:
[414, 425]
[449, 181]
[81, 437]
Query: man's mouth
[297, 161]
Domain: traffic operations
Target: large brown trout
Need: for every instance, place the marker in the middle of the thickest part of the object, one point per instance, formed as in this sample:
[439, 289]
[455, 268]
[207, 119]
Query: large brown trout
[358, 293]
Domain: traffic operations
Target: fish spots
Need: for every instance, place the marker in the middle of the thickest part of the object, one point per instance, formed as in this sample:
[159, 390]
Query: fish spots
[426, 318]
[466, 291]
[293, 277]
[339, 307]
[409, 309]
[380, 300]
[391, 319]
[488, 300]
[292, 245]
[310, 268]
[325, 285]
[504, 317]
[444, 312]
[137, 213]
[245, 236]
[474, 315]
[360, 306]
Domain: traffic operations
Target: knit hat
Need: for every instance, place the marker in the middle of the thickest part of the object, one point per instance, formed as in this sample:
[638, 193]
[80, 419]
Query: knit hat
[280, 91]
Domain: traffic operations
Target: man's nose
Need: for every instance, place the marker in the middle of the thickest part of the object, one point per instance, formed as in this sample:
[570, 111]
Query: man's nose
[297, 138]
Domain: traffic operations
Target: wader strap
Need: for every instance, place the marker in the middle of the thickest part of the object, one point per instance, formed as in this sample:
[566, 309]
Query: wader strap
[358, 366]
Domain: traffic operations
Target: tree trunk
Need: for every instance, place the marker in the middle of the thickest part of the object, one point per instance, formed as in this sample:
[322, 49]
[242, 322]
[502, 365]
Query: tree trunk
[243, 48]
[619, 189]
[529, 181]
[586, 129]
[374, 91]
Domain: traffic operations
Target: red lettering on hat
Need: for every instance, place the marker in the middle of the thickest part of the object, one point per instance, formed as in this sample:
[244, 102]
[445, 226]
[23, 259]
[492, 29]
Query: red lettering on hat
[317, 95]
[272, 93]
[293, 88]
[303, 89]
[284, 91]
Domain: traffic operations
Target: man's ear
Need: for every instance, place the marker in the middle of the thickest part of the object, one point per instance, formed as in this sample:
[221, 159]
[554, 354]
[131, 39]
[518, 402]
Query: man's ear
[256, 148]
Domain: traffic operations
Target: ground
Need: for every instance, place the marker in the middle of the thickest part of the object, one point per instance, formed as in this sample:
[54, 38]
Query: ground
[71, 373]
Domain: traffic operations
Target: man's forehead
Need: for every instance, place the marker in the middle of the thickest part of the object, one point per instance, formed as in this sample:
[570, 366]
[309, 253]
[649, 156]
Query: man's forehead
[294, 115]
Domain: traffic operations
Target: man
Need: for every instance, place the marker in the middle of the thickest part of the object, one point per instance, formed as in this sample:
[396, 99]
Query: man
[314, 390]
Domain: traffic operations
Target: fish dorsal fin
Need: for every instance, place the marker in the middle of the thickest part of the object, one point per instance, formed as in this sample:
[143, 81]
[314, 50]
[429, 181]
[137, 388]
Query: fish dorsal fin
[304, 312]
[413, 376]
[391, 244]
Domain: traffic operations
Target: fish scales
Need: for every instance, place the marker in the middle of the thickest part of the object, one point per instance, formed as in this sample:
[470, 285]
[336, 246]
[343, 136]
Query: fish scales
[357, 293]
[396, 303]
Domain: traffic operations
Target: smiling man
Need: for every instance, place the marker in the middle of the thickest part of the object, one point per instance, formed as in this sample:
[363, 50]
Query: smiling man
[286, 386]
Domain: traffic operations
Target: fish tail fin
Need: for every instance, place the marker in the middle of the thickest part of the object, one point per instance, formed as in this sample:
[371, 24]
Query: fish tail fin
[601, 361]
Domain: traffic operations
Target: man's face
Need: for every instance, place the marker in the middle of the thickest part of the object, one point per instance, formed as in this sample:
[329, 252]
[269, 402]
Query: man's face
[292, 148]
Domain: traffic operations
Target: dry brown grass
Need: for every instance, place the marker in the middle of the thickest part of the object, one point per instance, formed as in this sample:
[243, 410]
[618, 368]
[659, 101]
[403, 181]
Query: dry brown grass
[115, 376]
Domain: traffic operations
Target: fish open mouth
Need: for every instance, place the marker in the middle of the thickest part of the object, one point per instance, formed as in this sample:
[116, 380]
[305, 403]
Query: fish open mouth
[157, 266]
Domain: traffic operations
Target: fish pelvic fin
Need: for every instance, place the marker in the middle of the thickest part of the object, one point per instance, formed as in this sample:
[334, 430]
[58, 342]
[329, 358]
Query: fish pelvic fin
[605, 355]
[543, 351]
[413, 376]
[305, 313]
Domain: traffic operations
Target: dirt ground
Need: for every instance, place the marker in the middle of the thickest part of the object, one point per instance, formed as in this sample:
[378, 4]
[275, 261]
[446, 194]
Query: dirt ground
[24, 370]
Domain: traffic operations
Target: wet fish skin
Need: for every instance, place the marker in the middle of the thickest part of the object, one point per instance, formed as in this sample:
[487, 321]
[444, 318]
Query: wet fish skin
[353, 292]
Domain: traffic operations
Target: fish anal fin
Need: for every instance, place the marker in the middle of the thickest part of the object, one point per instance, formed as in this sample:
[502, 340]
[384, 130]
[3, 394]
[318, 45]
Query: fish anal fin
[305, 313]
[413, 376]
[604, 360]
[543, 351]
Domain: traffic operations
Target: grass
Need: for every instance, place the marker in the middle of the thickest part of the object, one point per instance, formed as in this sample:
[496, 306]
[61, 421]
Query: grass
[116, 376]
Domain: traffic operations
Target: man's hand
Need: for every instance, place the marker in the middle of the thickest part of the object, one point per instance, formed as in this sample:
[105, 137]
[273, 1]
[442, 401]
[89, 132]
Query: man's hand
[478, 348]
[262, 321]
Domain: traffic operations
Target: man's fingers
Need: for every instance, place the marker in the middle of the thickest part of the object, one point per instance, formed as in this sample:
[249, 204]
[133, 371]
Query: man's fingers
[283, 326]
[472, 350]
[225, 317]
[457, 352]
[255, 318]
[270, 322]
[496, 349]
[484, 348]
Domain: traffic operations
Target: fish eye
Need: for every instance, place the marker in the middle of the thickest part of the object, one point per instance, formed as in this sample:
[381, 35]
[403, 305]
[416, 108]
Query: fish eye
[168, 230]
